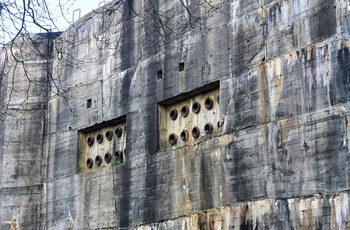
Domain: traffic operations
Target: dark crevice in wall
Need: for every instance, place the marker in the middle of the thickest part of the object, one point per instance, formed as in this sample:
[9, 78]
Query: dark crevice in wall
[206, 183]
[340, 82]
[128, 46]
[323, 21]
[123, 189]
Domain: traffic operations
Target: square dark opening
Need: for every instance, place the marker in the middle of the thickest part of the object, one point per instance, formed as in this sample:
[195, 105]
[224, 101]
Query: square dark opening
[88, 103]
[181, 66]
[159, 74]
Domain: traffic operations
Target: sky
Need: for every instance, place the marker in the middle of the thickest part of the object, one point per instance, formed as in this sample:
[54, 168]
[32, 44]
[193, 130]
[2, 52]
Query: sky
[62, 12]
[73, 7]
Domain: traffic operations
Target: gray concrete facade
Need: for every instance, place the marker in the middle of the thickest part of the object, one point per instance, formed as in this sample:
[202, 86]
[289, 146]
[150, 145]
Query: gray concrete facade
[278, 156]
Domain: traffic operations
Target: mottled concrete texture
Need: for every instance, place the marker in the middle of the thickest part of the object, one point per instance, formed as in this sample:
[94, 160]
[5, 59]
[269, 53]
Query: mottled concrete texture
[279, 158]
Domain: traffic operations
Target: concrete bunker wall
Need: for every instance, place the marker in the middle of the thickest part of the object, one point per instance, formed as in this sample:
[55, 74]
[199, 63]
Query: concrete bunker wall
[23, 89]
[278, 154]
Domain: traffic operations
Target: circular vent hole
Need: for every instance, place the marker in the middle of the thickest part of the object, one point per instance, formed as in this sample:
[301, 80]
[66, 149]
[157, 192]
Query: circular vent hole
[109, 135]
[108, 157]
[196, 107]
[172, 139]
[89, 163]
[195, 132]
[208, 128]
[118, 155]
[90, 141]
[118, 132]
[208, 103]
[184, 135]
[173, 114]
[184, 111]
[98, 160]
[99, 138]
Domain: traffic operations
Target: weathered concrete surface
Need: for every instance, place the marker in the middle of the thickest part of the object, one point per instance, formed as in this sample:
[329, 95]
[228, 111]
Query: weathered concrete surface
[316, 212]
[279, 159]
[24, 91]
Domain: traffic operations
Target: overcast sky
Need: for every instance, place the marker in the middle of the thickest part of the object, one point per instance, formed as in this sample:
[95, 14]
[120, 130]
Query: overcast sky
[70, 7]
[60, 11]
